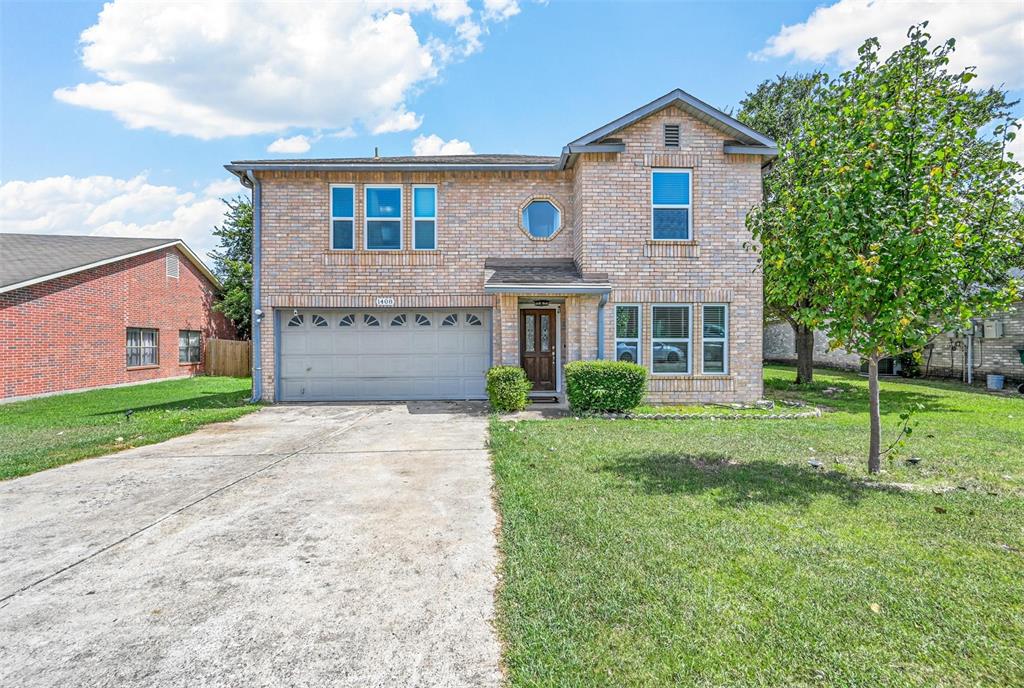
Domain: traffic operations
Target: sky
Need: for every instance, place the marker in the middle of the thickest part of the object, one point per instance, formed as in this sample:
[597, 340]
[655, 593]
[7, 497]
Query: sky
[116, 119]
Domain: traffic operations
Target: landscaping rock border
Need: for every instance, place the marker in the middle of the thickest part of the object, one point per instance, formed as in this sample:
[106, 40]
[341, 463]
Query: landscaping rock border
[813, 412]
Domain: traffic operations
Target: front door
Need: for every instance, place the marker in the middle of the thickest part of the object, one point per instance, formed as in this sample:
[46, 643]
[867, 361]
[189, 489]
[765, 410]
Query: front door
[537, 347]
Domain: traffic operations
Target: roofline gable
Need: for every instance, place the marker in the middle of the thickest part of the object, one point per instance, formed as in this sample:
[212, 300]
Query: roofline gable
[695, 106]
[189, 253]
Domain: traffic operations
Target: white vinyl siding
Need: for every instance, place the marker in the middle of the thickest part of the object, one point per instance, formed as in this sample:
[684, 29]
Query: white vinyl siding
[627, 333]
[671, 330]
[715, 346]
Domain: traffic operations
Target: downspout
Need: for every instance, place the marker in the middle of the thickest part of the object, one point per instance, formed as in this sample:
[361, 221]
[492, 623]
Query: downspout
[257, 309]
[970, 355]
[600, 325]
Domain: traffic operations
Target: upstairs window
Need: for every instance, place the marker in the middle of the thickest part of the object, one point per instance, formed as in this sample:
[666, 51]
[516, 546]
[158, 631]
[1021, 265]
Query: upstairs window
[541, 219]
[716, 340]
[670, 205]
[143, 347]
[342, 218]
[188, 346]
[384, 218]
[424, 215]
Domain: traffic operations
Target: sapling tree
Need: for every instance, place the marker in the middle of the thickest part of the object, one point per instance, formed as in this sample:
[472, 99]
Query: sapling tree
[233, 263]
[903, 192]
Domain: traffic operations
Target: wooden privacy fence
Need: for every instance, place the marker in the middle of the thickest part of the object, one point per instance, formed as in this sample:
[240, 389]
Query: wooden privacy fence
[228, 357]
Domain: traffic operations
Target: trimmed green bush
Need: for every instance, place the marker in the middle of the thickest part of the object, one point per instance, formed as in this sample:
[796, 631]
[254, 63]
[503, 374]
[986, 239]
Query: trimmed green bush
[507, 387]
[605, 385]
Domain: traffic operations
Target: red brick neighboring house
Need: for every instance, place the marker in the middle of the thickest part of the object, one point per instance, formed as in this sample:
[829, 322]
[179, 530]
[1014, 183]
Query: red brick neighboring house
[79, 311]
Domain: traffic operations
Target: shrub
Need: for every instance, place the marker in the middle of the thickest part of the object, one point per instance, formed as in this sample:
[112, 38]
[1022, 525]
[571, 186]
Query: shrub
[507, 388]
[605, 385]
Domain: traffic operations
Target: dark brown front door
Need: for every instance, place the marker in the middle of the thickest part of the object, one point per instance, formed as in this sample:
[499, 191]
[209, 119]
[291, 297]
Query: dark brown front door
[537, 347]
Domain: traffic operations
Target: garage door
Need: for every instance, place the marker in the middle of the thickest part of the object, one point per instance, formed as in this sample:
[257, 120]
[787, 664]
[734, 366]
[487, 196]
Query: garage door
[357, 355]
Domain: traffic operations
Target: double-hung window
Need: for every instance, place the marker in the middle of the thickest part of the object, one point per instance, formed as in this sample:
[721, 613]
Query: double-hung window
[627, 334]
[143, 347]
[424, 216]
[670, 205]
[342, 218]
[716, 339]
[188, 346]
[670, 339]
[384, 218]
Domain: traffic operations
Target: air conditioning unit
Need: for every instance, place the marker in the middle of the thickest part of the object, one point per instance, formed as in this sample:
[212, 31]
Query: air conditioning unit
[993, 329]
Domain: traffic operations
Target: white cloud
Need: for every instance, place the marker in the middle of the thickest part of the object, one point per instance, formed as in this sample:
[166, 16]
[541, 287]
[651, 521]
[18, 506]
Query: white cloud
[220, 68]
[295, 144]
[500, 10]
[989, 35]
[435, 145]
[1017, 145]
[107, 206]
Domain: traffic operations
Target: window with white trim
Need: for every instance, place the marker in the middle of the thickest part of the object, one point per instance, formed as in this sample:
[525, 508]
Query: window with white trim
[188, 346]
[343, 217]
[384, 218]
[424, 218]
[142, 347]
[670, 205]
[715, 358]
[627, 334]
[670, 339]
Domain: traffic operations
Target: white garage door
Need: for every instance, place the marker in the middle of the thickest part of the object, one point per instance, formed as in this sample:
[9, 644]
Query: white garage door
[394, 354]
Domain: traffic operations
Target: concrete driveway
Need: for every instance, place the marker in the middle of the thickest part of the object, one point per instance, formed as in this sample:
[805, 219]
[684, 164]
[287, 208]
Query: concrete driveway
[298, 546]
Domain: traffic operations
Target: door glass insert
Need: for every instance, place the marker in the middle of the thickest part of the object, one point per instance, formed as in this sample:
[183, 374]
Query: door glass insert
[545, 334]
[530, 337]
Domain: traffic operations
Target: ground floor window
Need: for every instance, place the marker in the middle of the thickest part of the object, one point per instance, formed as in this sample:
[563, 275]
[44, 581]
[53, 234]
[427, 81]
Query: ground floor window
[188, 346]
[716, 339]
[627, 333]
[143, 347]
[670, 339]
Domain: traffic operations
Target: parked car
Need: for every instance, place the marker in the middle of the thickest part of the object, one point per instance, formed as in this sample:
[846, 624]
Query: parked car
[663, 353]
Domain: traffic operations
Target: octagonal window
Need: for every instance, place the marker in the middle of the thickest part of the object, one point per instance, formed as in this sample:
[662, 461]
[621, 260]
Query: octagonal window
[541, 219]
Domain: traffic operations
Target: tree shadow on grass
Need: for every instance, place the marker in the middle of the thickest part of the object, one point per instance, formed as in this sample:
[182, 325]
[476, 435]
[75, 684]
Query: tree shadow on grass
[203, 400]
[736, 484]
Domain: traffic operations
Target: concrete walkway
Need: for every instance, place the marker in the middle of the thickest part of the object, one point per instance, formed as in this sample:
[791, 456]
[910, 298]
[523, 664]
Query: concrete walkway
[298, 546]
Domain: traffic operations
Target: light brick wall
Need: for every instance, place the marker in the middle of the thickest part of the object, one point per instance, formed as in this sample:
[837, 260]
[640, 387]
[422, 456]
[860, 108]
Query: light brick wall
[605, 202]
[992, 356]
[780, 345]
[69, 333]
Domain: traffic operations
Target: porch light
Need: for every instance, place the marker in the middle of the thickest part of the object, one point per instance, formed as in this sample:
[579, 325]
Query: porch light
[541, 303]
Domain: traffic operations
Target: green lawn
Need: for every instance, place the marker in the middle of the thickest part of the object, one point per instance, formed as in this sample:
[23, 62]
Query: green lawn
[48, 432]
[709, 553]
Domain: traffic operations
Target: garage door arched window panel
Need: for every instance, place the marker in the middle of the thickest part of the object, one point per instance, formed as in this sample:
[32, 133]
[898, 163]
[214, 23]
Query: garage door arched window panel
[347, 320]
[422, 320]
[384, 218]
[670, 205]
[671, 330]
[296, 320]
[627, 333]
[450, 320]
[343, 217]
[473, 320]
[370, 320]
[319, 320]
[398, 320]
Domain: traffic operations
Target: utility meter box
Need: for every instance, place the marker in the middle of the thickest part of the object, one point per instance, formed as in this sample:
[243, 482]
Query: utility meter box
[993, 329]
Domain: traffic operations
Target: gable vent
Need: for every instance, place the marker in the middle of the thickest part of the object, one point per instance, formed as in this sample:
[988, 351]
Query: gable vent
[672, 136]
[171, 262]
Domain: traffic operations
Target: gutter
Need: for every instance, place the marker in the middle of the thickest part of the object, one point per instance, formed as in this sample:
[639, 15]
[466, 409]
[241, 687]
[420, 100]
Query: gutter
[547, 288]
[600, 325]
[251, 182]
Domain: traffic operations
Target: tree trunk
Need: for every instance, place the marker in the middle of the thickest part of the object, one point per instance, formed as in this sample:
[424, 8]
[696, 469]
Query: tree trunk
[804, 337]
[875, 449]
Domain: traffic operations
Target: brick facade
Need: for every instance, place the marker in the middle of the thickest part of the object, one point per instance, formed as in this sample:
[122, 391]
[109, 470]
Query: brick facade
[606, 216]
[69, 333]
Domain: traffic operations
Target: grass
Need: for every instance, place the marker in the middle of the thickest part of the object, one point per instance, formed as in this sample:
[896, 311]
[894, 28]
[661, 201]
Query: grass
[709, 553]
[52, 431]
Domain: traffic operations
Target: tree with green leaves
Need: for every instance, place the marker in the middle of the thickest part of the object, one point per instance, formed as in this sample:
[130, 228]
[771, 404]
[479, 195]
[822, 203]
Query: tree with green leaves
[899, 192]
[233, 263]
[775, 108]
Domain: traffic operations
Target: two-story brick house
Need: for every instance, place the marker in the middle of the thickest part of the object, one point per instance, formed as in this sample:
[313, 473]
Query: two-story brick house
[406, 278]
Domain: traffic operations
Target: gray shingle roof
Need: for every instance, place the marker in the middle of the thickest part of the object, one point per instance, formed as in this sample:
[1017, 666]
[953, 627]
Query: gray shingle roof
[479, 159]
[538, 271]
[26, 257]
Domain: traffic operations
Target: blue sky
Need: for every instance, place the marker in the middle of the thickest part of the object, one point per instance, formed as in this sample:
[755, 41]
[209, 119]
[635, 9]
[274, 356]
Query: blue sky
[128, 138]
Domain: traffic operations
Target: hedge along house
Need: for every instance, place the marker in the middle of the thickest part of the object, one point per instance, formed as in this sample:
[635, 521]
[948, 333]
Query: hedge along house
[78, 312]
[407, 277]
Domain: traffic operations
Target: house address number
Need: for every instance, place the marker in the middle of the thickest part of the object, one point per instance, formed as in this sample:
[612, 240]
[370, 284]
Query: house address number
[383, 301]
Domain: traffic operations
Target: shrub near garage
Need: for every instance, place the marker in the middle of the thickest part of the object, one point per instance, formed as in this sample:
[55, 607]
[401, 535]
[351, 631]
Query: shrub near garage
[507, 387]
[605, 385]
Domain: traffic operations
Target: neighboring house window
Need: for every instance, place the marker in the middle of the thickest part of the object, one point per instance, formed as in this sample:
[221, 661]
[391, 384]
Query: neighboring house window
[716, 340]
[188, 346]
[342, 218]
[670, 339]
[143, 347]
[541, 219]
[670, 204]
[627, 333]
[171, 265]
[384, 218]
[424, 215]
